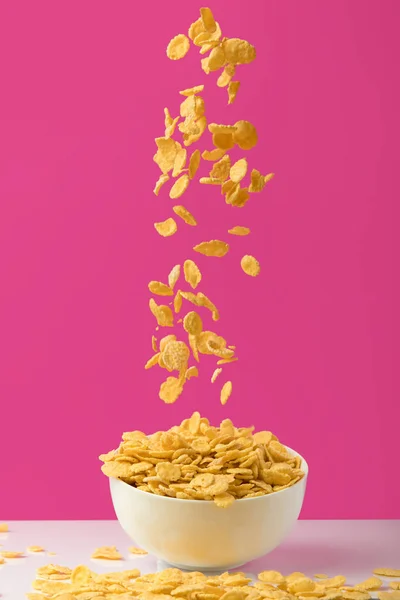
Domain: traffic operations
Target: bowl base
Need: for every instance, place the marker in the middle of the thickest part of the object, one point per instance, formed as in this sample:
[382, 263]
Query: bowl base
[162, 564]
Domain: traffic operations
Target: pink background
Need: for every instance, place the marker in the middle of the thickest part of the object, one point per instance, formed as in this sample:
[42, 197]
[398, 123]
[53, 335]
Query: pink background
[84, 85]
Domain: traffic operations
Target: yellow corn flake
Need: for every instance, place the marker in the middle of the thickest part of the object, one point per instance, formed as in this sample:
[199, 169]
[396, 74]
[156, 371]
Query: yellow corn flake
[208, 45]
[226, 361]
[162, 313]
[216, 59]
[81, 575]
[245, 135]
[175, 356]
[107, 553]
[160, 289]
[192, 91]
[238, 170]
[387, 572]
[226, 76]
[179, 187]
[196, 28]
[193, 346]
[221, 128]
[167, 149]
[192, 372]
[35, 549]
[388, 595]
[269, 177]
[250, 265]
[185, 215]
[238, 52]
[160, 182]
[257, 181]
[178, 301]
[221, 169]
[154, 343]
[202, 300]
[178, 47]
[3, 527]
[138, 551]
[11, 554]
[208, 21]
[318, 575]
[214, 154]
[192, 273]
[355, 595]
[223, 501]
[194, 163]
[210, 181]
[165, 340]
[188, 140]
[189, 127]
[240, 198]
[370, 584]
[271, 577]
[238, 230]
[166, 228]
[215, 375]
[174, 276]
[224, 141]
[170, 123]
[233, 88]
[394, 585]
[212, 248]
[192, 323]
[226, 391]
[180, 162]
[152, 362]
[170, 390]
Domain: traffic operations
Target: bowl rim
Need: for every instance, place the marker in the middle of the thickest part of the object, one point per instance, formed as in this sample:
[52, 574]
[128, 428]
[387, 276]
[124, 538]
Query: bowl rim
[304, 467]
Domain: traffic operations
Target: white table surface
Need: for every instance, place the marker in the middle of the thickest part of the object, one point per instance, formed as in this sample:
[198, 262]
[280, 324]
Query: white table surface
[350, 548]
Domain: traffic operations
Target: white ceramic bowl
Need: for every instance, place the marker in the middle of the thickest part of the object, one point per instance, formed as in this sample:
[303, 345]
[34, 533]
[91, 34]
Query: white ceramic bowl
[196, 534]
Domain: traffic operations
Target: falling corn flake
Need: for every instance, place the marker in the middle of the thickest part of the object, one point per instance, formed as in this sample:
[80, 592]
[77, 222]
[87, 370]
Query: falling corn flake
[245, 135]
[214, 154]
[192, 372]
[180, 162]
[154, 343]
[215, 375]
[192, 91]
[107, 553]
[174, 276]
[216, 248]
[162, 313]
[192, 323]
[3, 528]
[226, 361]
[177, 302]
[192, 273]
[238, 52]
[224, 141]
[210, 181]
[221, 169]
[167, 149]
[178, 47]
[238, 170]
[185, 215]
[250, 265]
[170, 390]
[233, 88]
[166, 228]
[226, 391]
[226, 76]
[238, 230]
[194, 163]
[179, 187]
[152, 362]
[138, 551]
[160, 289]
[160, 182]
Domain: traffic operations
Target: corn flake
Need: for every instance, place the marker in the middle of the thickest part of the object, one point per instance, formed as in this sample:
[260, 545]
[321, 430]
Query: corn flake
[166, 228]
[185, 215]
[215, 374]
[178, 47]
[179, 187]
[226, 391]
[160, 289]
[233, 88]
[216, 248]
[245, 135]
[192, 273]
[250, 265]
[194, 163]
[174, 276]
[238, 170]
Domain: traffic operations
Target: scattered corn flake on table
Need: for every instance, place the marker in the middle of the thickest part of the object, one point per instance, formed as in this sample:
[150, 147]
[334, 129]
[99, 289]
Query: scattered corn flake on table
[350, 548]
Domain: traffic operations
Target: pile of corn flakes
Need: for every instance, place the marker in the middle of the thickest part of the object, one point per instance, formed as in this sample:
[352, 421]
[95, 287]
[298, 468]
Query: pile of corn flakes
[224, 54]
[84, 584]
[196, 461]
